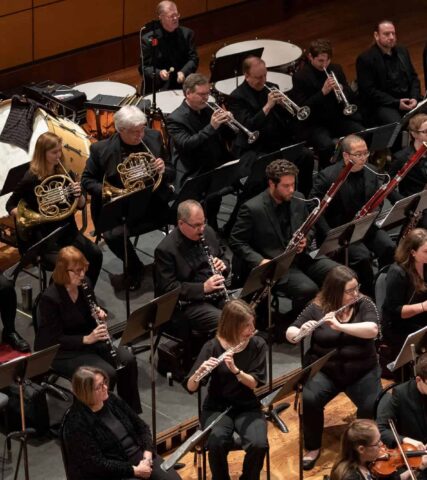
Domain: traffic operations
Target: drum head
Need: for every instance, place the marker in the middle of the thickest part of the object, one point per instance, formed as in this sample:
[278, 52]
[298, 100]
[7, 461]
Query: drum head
[170, 100]
[283, 80]
[92, 89]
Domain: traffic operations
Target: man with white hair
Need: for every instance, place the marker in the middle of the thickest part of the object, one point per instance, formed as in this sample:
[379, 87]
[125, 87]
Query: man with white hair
[168, 50]
[132, 137]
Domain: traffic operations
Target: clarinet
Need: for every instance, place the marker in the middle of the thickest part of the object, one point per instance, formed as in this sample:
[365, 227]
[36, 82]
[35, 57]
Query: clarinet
[90, 299]
[223, 293]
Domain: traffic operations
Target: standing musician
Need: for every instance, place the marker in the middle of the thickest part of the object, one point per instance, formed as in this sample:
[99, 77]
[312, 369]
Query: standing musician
[7, 314]
[199, 136]
[169, 50]
[263, 228]
[232, 383]
[180, 260]
[405, 305]
[360, 446]
[407, 410]
[314, 86]
[104, 438]
[353, 369]
[46, 162]
[64, 317]
[359, 187]
[132, 137]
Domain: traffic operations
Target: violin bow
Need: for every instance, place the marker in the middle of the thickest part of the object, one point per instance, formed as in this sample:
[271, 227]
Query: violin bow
[396, 437]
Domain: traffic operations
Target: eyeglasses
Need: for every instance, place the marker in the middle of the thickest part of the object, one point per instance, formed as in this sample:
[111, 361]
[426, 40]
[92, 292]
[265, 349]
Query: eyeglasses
[101, 386]
[424, 132]
[360, 155]
[196, 226]
[172, 16]
[355, 289]
[378, 444]
[78, 271]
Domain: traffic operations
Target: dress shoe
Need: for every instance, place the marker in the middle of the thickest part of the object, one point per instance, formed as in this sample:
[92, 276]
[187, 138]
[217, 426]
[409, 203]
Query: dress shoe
[16, 342]
[309, 463]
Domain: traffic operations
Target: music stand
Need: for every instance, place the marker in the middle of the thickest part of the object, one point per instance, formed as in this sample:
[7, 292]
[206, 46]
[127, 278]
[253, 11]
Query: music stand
[230, 66]
[420, 108]
[14, 175]
[413, 343]
[402, 209]
[344, 235]
[297, 381]
[149, 318]
[262, 279]
[124, 211]
[16, 371]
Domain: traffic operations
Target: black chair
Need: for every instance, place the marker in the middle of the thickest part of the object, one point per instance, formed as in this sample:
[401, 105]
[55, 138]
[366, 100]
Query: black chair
[383, 398]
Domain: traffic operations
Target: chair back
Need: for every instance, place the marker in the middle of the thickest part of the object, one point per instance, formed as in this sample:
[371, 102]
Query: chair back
[63, 444]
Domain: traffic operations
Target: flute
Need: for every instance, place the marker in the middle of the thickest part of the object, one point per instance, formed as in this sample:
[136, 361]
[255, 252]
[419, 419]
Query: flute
[221, 358]
[307, 332]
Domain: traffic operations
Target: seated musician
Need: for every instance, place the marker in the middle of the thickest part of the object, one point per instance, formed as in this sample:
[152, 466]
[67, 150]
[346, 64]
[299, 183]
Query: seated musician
[175, 50]
[313, 87]
[416, 178]
[132, 137]
[360, 186]
[181, 260]
[232, 383]
[264, 227]
[199, 136]
[407, 410]
[405, 305]
[65, 317]
[46, 162]
[353, 369]
[104, 438]
[7, 314]
[258, 109]
[360, 446]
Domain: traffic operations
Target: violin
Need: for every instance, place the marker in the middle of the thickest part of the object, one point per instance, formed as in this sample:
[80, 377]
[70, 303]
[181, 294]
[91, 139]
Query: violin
[390, 460]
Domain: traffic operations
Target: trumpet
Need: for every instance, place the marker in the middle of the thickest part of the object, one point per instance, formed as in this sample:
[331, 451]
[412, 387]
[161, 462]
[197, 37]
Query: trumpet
[221, 358]
[307, 332]
[234, 124]
[349, 108]
[302, 113]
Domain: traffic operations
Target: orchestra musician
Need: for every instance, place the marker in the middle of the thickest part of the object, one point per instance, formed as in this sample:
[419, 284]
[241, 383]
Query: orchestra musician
[232, 383]
[46, 161]
[360, 446]
[180, 260]
[132, 137]
[168, 51]
[264, 227]
[360, 186]
[104, 438]
[8, 314]
[314, 86]
[353, 368]
[65, 317]
[405, 305]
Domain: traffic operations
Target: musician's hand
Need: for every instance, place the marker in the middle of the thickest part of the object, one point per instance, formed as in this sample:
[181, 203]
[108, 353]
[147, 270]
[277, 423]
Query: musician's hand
[332, 321]
[405, 104]
[412, 103]
[229, 361]
[159, 165]
[219, 265]
[164, 75]
[302, 245]
[416, 443]
[77, 189]
[307, 326]
[423, 464]
[207, 365]
[14, 212]
[328, 86]
[143, 469]
[213, 283]
[98, 334]
[264, 261]
[102, 315]
[273, 99]
[220, 117]
[147, 455]
[180, 77]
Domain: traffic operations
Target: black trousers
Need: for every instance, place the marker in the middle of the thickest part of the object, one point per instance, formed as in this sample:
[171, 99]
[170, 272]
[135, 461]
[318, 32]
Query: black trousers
[7, 305]
[321, 389]
[97, 355]
[252, 429]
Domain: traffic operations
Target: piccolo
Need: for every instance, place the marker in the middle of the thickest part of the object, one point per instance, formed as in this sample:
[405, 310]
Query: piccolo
[221, 358]
[307, 332]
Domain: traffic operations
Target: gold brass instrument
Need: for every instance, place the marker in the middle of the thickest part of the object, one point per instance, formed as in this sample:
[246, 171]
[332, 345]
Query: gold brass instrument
[302, 113]
[55, 199]
[234, 124]
[137, 172]
[349, 108]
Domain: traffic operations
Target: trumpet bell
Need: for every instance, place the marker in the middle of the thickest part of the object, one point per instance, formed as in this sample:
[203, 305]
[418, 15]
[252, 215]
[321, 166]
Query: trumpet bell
[253, 136]
[303, 113]
[350, 109]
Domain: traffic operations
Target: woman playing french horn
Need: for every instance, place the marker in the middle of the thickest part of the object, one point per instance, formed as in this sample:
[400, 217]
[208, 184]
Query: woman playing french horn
[46, 198]
[353, 368]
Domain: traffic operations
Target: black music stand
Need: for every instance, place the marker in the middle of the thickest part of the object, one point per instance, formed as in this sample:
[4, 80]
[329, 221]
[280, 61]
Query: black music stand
[297, 381]
[16, 371]
[404, 208]
[124, 211]
[413, 345]
[230, 66]
[261, 281]
[420, 108]
[344, 235]
[14, 175]
[147, 319]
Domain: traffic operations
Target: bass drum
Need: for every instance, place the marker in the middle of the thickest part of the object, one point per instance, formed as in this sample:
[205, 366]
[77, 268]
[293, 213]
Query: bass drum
[75, 145]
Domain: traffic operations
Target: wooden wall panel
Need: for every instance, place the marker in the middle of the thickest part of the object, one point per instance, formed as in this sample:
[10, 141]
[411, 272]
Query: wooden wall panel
[15, 39]
[138, 13]
[188, 8]
[72, 24]
[214, 4]
[12, 6]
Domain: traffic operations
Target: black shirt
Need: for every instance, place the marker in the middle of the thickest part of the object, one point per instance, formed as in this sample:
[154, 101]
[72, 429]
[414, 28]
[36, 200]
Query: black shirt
[397, 82]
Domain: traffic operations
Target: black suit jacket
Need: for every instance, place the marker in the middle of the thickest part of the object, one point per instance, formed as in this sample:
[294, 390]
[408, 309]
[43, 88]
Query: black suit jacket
[173, 268]
[257, 235]
[416, 178]
[371, 78]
